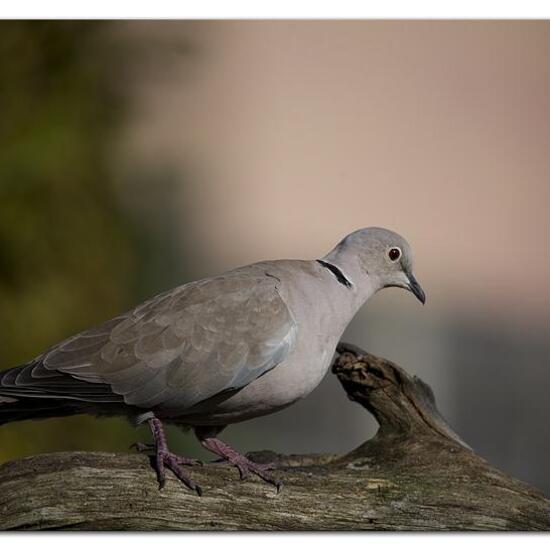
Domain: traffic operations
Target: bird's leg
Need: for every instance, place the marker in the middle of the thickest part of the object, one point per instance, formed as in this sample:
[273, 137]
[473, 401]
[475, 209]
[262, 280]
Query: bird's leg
[164, 458]
[207, 438]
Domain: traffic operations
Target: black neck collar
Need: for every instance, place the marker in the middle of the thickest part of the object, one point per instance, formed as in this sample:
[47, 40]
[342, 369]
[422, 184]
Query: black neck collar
[340, 277]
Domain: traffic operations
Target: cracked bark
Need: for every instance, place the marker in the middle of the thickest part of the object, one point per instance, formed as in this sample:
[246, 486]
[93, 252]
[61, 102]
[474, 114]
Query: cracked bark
[415, 474]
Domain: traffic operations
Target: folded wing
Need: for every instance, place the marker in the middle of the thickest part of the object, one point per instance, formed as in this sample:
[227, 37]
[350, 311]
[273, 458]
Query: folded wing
[176, 350]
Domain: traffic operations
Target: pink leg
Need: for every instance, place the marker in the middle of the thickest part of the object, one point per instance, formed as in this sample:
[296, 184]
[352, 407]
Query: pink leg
[164, 458]
[245, 466]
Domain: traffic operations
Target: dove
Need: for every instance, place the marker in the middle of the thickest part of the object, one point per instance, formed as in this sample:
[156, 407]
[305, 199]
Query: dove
[225, 349]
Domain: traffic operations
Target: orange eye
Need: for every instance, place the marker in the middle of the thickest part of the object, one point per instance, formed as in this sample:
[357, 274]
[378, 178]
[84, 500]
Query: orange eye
[394, 254]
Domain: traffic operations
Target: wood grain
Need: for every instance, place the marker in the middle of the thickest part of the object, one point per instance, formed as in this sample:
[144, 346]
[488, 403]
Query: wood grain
[415, 474]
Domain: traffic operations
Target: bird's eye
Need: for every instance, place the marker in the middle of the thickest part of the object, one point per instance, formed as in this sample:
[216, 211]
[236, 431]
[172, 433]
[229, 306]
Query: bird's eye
[394, 254]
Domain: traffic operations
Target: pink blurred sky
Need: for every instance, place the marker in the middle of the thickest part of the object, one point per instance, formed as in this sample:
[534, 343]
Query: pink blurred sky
[299, 132]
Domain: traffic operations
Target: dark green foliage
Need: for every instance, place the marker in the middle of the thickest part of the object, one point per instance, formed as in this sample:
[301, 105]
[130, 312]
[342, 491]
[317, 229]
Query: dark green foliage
[67, 252]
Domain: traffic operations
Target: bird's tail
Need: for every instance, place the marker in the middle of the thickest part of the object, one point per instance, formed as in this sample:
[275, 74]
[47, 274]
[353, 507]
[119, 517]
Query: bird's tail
[24, 403]
[31, 408]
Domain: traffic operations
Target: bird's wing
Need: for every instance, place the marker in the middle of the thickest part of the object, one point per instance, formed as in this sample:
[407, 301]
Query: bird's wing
[184, 346]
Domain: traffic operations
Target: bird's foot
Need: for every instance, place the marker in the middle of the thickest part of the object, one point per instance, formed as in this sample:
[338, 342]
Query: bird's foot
[173, 462]
[245, 466]
[148, 447]
[165, 459]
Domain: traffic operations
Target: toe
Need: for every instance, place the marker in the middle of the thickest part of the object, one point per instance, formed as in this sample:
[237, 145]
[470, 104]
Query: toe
[261, 471]
[188, 461]
[141, 447]
[244, 472]
[198, 489]
[172, 463]
[161, 473]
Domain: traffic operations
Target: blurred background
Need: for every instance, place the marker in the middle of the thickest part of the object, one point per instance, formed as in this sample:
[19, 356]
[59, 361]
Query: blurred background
[136, 156]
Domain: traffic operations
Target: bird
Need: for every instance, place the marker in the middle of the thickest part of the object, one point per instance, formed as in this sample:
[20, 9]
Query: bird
[213, 352]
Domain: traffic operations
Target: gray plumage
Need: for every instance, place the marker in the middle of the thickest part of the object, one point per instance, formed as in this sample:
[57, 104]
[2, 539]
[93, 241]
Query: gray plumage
[216, 351]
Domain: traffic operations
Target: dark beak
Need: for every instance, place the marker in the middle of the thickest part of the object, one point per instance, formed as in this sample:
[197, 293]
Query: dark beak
[416, 289]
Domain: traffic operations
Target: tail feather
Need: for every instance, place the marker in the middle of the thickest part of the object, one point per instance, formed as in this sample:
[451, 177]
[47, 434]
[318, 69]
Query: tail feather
[15, 410]
[6, 399]
[32, 392]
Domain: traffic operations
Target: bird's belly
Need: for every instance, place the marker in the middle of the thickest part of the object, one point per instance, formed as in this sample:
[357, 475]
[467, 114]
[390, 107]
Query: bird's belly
[282, 386]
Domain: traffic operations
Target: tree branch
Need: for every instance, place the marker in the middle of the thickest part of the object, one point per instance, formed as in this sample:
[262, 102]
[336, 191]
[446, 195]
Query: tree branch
[415, 474]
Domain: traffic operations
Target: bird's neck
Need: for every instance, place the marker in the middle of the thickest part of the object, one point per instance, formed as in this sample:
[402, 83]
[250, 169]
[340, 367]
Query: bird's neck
[362, 284]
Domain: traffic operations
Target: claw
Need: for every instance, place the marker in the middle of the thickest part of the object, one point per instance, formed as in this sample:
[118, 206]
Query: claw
[244, 472]
[165, 459]
[161, 482]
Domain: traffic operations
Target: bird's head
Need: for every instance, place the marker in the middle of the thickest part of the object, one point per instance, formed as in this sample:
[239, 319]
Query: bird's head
[384, 256]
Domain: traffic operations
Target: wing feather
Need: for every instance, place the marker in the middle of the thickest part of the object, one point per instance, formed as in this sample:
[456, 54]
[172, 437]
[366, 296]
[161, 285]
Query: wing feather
[180, 348]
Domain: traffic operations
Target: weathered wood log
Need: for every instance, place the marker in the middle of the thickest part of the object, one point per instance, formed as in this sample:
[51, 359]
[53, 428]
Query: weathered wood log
[415, 474]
